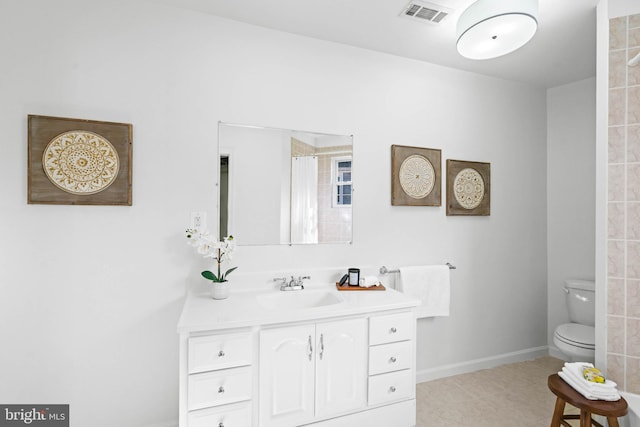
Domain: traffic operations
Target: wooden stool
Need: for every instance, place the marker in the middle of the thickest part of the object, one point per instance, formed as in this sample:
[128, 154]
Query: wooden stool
[566, 394]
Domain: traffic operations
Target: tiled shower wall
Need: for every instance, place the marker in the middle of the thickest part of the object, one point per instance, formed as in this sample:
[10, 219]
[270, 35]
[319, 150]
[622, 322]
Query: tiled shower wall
[623, 251]
[334, 223]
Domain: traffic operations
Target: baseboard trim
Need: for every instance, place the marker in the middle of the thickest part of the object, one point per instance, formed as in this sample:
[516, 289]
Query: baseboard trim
[553, 351]
[478, 364]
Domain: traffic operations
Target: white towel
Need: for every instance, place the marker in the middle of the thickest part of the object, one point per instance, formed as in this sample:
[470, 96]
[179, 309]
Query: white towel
[430, 284]
[574, 370]
[591, 388]
[370, 281]
[572, 374]
[580, 388]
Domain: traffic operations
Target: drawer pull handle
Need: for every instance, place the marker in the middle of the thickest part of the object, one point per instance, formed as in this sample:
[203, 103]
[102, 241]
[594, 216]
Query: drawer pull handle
[392, 389]
[393, 359]
[393, 330]
[221, 390]
[221, 353]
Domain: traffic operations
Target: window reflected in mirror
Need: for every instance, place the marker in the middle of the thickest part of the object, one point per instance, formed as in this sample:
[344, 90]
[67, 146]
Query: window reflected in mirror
[341, 186]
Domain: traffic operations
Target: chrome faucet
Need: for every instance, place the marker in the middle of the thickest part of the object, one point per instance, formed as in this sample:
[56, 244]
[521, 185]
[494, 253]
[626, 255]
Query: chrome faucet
[293, 284]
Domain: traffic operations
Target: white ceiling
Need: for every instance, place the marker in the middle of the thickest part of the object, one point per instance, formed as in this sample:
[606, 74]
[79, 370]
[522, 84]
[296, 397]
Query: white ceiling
[562, 51]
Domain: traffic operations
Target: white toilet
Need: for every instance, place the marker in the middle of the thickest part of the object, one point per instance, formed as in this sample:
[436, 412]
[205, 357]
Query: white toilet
[576, 340]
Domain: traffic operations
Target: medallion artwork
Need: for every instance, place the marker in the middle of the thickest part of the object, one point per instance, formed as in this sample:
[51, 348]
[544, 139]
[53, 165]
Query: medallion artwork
[468, 188]
[80, 162]
[417, 176]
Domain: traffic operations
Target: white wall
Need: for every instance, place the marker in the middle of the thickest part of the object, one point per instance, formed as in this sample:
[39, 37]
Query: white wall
[91, 295]
[617, 8]
[570, 192]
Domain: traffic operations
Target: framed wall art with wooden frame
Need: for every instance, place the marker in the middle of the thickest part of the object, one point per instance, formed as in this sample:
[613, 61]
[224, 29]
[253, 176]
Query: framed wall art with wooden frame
[78, 162]
[468, 188]
[416, 175]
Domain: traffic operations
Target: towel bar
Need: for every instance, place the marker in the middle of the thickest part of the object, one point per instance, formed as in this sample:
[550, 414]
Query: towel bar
[385, 270]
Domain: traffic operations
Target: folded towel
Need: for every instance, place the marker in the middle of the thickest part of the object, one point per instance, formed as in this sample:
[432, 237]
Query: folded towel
[430, 284]
[572, 373]
[580, 388]
[370, 281]
[593, 389]
[575, 371]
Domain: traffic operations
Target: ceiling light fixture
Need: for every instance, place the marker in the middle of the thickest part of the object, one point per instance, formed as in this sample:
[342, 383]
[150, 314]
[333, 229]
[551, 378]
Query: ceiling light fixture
[491, 28]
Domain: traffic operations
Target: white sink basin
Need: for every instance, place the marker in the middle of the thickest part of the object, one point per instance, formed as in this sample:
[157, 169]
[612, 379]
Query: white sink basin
[293, 300]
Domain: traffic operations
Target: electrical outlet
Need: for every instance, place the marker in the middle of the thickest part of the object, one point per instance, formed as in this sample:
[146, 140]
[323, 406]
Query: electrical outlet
[199, 220]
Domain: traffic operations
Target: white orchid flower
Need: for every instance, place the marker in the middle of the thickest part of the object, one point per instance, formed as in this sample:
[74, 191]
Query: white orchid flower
[209, 247]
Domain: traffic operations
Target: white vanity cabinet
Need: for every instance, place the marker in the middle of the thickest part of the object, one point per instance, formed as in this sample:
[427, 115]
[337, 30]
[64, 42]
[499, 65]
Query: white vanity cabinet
[312, 371]
[345, 365]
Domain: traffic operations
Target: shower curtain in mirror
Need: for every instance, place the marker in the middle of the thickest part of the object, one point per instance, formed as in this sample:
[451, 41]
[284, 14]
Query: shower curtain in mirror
[304, 199]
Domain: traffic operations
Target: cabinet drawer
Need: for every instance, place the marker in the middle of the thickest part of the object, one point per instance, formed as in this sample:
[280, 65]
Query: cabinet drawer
[219, 352]
[390, 357]
[219, 387]
[238, 415]
[391, 387]
[391, 328]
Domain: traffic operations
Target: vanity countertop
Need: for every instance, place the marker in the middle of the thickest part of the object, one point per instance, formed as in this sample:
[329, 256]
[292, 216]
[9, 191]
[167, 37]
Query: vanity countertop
[246, 308]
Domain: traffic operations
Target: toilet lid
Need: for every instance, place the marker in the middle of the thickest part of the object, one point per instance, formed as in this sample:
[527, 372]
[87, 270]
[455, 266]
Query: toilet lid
[578, 335]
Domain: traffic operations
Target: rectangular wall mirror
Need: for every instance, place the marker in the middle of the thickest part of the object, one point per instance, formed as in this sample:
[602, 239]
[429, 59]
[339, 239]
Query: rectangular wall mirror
[284, 187]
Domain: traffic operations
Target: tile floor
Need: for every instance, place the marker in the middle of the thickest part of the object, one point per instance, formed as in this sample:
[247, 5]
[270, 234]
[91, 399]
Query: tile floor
[510, 395]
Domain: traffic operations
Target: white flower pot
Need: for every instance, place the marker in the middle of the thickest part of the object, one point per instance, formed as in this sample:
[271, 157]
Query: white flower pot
[220, 290]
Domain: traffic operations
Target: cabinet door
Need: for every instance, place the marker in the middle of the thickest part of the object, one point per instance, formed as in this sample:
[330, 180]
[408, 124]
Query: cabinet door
[287, 364]
[341, 366]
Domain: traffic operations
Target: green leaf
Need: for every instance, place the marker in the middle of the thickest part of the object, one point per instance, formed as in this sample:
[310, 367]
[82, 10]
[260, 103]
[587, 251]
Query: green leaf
[209, 275]
[229, 271]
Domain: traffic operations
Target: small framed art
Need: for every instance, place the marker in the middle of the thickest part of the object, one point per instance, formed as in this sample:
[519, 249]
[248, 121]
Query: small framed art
[78, 162]
[468, 188]
[415, 176]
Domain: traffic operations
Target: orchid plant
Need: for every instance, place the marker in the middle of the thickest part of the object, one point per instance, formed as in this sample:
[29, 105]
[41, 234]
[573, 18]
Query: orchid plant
[209, 247]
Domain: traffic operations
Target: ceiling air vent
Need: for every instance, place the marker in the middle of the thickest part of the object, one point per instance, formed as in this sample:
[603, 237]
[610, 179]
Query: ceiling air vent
[426, 12]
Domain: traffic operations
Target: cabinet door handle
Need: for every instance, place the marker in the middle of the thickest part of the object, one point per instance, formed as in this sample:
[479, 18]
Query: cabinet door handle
[393, 359]
[221, 390]
[393, 330]
[392, 389]
[321, 345]
[221, 353]
[310, 348]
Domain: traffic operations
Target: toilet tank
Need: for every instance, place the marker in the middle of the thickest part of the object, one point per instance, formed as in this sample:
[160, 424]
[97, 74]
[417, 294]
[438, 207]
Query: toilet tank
[581, 301]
